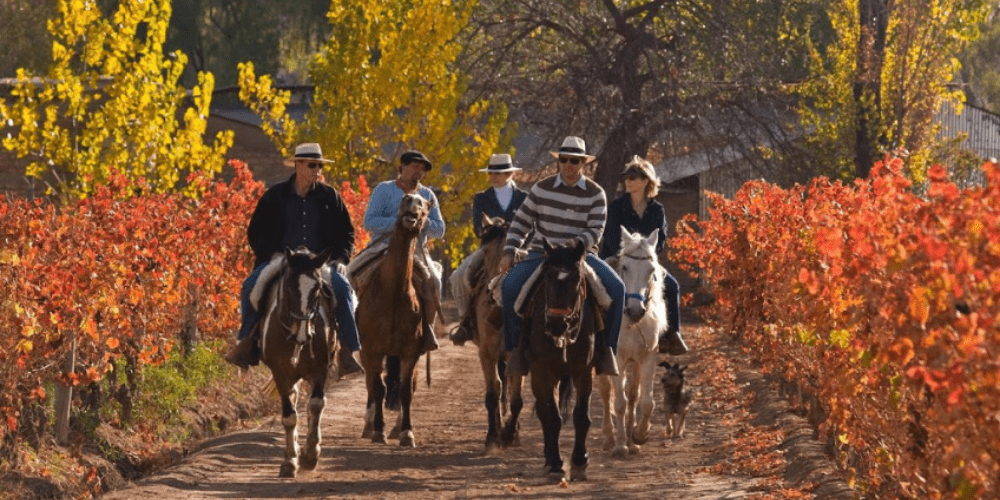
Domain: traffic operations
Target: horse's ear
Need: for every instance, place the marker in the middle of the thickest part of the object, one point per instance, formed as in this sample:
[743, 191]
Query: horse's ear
[547, 246]
[323, 257]
[579, 250]
[680, 369]
[651, 238]
[288, 253]
[626, 234]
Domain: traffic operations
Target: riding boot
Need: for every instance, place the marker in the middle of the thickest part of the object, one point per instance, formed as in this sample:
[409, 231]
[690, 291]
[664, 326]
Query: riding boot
[671, 342]
[428, 339]
[604, 360]
[464, 333]
[346, 364]
[246, 353]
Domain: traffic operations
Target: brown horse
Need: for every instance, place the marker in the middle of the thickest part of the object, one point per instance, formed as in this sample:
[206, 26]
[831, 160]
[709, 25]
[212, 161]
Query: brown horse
[488, 338]
[298, 343]
[559, 336]
[389, 321]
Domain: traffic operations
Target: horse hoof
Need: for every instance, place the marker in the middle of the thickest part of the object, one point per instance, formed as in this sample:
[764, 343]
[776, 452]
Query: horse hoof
[394, 433]
[557, 475]
[287, 470]
[640, 437]
[619, 452]
[367, 432]
[578, 473]
[609, 444]
[634, 449]
[308, 462]
[406, 440]
[379, 438]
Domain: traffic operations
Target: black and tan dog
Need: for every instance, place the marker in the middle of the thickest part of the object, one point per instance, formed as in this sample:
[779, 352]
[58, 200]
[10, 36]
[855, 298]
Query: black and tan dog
[675, 398]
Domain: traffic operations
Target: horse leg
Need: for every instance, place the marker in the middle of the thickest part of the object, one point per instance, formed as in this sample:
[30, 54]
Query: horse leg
[317, 401]
[289, 420]
[607, 400]
[565, 396]
[620, 417]
[632, 397]
[581, 424]
[374, 425]
[408, 369]
[509, 435]
[392, 371]
[548, 414]
[646, 404]
[488, 363]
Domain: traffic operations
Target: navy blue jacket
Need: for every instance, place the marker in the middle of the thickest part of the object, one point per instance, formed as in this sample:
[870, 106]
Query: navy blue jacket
[621, 213]
[485, 202]
[266, 231]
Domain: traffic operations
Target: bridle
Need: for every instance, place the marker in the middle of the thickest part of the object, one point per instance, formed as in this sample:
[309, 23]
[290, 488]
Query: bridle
[572, 316]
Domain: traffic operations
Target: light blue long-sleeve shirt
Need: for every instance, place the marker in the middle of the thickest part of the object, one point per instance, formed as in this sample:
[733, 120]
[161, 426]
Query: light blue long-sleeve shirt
[383, 209]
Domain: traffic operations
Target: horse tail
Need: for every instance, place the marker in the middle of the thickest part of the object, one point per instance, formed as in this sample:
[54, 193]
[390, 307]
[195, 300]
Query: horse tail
[392, 372]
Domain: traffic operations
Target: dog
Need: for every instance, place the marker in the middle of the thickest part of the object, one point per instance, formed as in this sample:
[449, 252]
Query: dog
[675, 398]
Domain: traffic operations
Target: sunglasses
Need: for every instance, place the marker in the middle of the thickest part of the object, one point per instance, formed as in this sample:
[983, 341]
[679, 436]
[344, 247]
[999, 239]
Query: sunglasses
[570, 160]
[633, 177]
[314, 164]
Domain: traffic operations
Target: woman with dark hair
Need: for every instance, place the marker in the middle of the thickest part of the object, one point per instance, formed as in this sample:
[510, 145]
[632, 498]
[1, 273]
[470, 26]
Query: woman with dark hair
[638, 211]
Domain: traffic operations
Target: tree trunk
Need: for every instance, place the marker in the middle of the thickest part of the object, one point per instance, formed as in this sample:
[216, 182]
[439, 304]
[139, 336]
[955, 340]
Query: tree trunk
[64, 397]
[873, 19]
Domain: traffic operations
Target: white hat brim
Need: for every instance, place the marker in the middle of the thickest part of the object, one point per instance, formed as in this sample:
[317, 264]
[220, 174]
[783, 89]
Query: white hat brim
[290, 162]
[557, 154]
[495, 171]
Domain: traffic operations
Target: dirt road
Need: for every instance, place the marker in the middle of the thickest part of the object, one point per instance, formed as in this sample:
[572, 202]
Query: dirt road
[450, 426]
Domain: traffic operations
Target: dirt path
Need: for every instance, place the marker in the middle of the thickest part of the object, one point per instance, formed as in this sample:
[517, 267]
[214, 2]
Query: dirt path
[450, 426]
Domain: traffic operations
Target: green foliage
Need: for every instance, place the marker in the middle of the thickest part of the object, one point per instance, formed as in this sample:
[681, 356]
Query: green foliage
[109, 101]
[922, 39]
[166, 390]
[386, 81]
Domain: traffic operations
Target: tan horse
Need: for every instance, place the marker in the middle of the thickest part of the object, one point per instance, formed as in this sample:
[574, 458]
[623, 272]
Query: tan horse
[389, 321]
[298, 343]
[488, 338]
[626, 424]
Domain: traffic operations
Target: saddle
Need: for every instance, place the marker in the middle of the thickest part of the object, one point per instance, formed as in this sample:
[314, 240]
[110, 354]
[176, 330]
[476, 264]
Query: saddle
[602, 300]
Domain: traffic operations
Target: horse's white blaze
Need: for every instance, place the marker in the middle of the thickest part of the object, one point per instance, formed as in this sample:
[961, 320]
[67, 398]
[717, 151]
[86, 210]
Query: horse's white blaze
[306, 285]
[265, 327]
[563, 275]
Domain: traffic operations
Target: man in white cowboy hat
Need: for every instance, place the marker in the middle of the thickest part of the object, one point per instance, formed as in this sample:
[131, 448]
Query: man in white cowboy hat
[302, 211]
[561, 209]
[501, 199]
[380, 220]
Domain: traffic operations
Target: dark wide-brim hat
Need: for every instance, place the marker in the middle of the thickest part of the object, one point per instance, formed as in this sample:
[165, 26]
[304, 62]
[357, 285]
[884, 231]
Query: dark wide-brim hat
[306, 151]
[412, 156]
[500, 163]
[573, 146]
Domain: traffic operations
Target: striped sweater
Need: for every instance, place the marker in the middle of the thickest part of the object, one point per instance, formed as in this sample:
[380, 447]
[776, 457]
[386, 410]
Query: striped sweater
[559, 214]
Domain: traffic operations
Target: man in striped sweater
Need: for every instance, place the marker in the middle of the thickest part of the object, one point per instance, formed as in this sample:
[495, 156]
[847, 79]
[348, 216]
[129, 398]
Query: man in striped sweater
[561, 209]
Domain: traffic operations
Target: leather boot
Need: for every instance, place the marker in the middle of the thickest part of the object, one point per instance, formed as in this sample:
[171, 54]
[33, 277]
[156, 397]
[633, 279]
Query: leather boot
[463, 334]
[346, 364]
[518, 364]
[429, 340]
[245, 353]
[672, 343]
[604, 360]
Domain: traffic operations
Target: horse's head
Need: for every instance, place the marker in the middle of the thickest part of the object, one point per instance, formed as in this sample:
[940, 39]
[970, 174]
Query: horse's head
[413, 211]
[493, 228]
[637, 267]
[564, 289]
[303, 293]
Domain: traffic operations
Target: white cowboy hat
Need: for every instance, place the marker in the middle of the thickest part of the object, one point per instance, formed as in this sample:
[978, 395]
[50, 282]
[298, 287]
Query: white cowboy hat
[306, 151]
[573, 146]
[499, 164]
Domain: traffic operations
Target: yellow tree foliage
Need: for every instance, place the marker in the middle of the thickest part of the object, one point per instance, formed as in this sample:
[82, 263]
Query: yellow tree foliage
[386, 81]
[912, 70]
[110, 102]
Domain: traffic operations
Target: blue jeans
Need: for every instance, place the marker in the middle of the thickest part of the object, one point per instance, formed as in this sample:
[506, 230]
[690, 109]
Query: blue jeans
[347, 329]
[520, 273]
[672, 292]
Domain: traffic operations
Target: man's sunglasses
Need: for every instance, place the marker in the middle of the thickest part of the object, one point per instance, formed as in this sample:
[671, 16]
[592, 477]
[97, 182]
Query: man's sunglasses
[314, 164]
[570, 160]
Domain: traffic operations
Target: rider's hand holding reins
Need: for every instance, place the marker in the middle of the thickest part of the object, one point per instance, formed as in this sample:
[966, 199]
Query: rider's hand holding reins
[506, 262]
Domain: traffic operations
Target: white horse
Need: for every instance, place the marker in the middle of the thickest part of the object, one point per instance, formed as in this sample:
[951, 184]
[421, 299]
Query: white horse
[626, 426]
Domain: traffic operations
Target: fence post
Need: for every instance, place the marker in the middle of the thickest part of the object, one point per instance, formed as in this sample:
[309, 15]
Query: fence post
[64, 397]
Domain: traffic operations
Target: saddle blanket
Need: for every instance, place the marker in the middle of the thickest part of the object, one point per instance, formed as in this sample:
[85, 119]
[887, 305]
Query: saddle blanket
[596, 288]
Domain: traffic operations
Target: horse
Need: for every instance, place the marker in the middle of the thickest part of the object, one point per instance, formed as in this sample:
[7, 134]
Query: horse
[298, 343]
[389, 324]
[626, 425]
[488, 339]
[559, 327]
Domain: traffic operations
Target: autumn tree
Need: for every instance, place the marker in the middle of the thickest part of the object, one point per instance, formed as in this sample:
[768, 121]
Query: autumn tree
[110, 102]
[385, 81]
[628, 75]
[877, 88]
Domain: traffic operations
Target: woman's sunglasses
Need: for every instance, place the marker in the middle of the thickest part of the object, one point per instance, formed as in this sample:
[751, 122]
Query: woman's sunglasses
[570, 160]
[633, 177]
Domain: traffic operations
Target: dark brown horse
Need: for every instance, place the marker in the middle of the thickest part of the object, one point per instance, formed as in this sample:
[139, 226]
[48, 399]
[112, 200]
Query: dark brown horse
[389, 321]
[488, 338]
[298, 343]
[559, 332]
